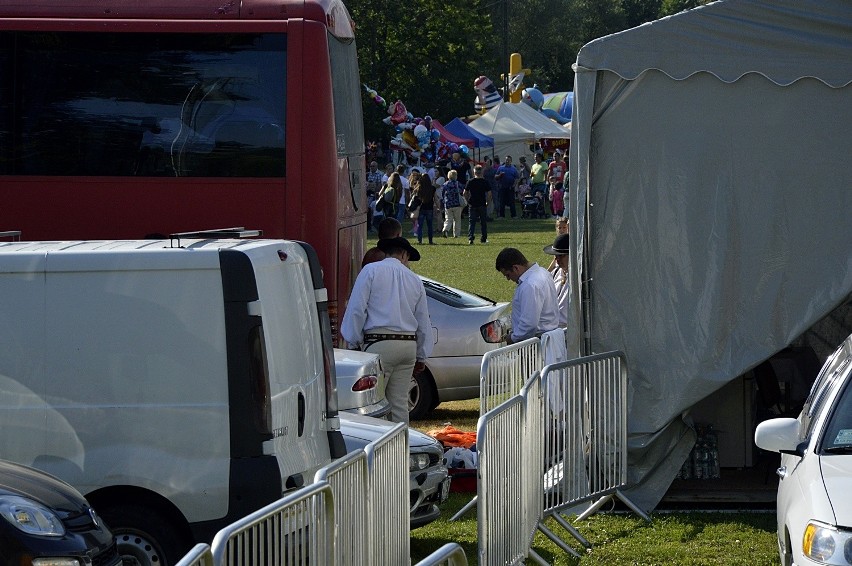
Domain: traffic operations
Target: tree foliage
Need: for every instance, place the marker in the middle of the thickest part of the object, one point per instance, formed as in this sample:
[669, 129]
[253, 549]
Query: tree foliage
[428, 53]
[425, 53]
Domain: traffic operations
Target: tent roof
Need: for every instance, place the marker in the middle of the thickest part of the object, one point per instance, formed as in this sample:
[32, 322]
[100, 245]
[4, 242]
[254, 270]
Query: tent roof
[784, 40]
[461, 129]
[508, 121]
[451, 137]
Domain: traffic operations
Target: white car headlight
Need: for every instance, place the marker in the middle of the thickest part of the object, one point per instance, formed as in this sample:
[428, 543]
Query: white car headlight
[827, 544]
[418, 462]
[31, 517]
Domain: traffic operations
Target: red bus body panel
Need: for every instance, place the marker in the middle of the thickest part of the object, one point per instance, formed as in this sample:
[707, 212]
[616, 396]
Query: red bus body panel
[313, 203]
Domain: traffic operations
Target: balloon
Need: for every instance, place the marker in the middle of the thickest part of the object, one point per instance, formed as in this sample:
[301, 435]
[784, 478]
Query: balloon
[463, 148]
[487, 95]
[422, 135]
[397, 113]
[427, 120]
[409, 138]
[554, 115]
[371, 92]
[533, 98]
[436, 135]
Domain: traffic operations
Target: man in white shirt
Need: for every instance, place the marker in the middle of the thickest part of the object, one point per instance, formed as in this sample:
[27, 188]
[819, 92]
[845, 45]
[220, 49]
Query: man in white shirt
[560, 276]
[534, 309]
[387, 315]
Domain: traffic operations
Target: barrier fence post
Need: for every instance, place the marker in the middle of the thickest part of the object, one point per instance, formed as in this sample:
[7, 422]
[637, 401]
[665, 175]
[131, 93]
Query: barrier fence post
[389, 512]
[349, 481]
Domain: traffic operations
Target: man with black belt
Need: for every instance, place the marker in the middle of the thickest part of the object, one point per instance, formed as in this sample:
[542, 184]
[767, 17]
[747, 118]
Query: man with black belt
[387, 315]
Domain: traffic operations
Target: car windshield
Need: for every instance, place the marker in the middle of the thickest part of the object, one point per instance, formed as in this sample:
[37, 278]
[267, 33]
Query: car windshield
[838, 430]
[454, 297]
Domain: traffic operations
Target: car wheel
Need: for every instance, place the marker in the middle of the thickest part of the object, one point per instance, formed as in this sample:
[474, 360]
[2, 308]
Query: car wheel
[143, 536]
[421, 396]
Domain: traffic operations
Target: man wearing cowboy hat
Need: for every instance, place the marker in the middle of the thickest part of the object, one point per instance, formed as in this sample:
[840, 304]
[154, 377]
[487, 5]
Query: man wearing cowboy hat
[560, 275]
[387, 315]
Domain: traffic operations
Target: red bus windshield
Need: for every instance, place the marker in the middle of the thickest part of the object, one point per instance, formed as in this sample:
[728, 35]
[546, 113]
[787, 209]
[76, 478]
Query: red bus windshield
[114, 128]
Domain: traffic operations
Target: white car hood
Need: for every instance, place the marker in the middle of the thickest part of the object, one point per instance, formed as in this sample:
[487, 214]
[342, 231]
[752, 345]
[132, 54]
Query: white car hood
[837, 476]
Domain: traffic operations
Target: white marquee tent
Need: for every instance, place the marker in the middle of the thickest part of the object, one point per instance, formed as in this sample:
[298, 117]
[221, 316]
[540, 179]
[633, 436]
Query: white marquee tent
[515, 127]
[710, 198]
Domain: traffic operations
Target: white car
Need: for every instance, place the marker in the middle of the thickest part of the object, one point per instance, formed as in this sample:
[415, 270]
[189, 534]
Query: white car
[464, 327]
[815, 491]
[360, 383]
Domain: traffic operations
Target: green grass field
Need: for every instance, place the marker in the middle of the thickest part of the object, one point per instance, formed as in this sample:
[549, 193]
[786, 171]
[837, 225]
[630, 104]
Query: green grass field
[617, 538]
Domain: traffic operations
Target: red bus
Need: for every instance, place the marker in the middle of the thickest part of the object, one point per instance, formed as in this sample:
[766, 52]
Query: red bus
[126, 119]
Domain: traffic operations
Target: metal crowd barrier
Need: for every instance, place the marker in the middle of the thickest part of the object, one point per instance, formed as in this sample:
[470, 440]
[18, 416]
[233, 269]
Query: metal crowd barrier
[451, 554]
[199, 555]
[505, 370]
[356, 512]
[297, 529]
[501, 504]
[350, 475]
[584, 424]
[572, 422]
[388, 495]
[370, 489]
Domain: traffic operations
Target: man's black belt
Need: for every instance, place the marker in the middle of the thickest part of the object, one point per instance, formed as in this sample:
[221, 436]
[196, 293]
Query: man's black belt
[370, 339]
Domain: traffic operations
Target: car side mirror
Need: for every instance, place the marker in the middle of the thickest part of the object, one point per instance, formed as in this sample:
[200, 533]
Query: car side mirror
[779, 435]
[798, 451]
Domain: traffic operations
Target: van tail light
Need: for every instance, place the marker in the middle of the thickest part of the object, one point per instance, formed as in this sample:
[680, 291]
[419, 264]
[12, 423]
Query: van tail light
[333, 319]
[365, 383]
[259, 371]
[494, 332]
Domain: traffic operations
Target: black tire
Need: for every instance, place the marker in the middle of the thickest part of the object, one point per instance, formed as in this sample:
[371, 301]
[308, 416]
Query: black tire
[144, 535]
[421, 396]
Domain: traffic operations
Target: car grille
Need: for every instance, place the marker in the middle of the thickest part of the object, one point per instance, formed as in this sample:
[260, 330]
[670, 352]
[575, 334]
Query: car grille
[108, 557]
[79, 523]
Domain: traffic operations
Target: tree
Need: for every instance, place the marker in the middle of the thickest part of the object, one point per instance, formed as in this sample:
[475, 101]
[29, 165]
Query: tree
[425, 53]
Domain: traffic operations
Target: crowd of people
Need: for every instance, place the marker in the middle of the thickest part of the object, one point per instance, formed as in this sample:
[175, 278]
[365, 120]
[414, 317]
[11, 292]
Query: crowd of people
[387, 312]
[443, 192]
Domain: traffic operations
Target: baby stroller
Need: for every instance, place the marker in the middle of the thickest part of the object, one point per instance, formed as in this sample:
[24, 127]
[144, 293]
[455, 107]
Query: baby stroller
[532, 207]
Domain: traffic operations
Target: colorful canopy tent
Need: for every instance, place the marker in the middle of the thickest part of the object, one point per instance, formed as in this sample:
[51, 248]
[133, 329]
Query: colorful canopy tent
[450, 137]
[721, 228]
[516, 127]
[462, 130]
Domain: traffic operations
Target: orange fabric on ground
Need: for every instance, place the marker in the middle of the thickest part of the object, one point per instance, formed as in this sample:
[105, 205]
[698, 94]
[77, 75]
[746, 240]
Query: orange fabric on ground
[451, 436]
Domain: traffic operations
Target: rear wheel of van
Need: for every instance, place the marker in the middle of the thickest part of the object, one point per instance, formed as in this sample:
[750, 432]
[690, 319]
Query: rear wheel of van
[143, 536]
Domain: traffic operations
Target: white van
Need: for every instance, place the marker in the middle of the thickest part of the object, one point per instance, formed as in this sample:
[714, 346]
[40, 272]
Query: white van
[179, 385]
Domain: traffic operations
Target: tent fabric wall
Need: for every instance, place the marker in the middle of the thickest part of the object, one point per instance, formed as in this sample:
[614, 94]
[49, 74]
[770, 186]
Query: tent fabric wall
[709, 193]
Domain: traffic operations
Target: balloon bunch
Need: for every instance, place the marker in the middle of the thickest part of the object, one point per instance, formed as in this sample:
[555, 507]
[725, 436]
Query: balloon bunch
[416, 137]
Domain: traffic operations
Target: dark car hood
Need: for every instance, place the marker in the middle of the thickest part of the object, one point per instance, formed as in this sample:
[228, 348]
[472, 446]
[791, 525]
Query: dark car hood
[34, 484]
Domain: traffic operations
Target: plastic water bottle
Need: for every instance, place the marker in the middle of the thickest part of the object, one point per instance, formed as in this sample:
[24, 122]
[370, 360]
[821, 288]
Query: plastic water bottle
[698, 462]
